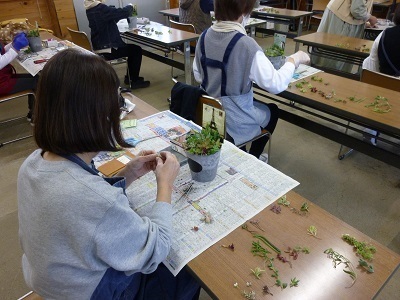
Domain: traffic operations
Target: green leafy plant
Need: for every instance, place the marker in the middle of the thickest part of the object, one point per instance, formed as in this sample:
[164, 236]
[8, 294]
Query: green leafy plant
[365, 250]
[134, 12]
[312, 230]
[294, 282]
[338, 259]
[274, 50]
[204, 142]
[33, 33]
[257, 272]
[283, 201]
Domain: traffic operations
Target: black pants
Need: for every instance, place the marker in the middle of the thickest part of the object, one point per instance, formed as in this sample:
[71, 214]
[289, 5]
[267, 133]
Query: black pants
[134, 54]
[257, 147]
[25, 82]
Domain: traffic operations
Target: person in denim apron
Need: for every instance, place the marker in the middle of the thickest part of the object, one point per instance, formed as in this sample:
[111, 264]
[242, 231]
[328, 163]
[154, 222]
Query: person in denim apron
[226, 63]
[79, 236]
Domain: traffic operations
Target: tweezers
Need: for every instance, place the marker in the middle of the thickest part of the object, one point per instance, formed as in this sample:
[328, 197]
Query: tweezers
[185, 193]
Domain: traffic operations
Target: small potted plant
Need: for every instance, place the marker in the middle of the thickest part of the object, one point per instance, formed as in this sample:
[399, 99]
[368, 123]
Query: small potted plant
[35, 42]
[132, 20]
[203, 149]
[275, 54]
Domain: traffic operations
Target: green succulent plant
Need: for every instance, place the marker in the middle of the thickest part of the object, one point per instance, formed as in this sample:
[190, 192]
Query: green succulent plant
[204, 142]
[33, 32]
[134, 12]
[274, 50]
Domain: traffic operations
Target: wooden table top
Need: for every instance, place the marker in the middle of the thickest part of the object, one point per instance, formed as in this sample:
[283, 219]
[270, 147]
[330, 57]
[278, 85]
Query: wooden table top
[220, 268]
[341, 89]
[338, 43]
[280, 12]
[162, 35]
[172, 12]
[141, 110]
[386, 3]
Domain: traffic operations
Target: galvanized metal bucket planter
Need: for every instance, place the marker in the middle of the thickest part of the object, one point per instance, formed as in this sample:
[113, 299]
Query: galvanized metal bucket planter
[203, 167]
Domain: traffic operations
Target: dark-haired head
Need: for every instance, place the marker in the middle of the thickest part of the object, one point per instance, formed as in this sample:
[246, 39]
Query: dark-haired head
[396, 16]
[232, 10]
[76, 108]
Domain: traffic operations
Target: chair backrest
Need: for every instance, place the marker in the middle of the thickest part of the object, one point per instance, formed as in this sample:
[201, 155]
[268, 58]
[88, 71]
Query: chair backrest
[80, 38]
[380, 79]
[184, 27]
[173, 3]
[31, 296]
[9, 97]
[319, 5]
[213, 103]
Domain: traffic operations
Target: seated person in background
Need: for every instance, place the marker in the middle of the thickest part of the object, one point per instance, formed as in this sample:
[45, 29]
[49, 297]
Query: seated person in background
[384, 58]
[347, 18]
[10, 82]
[385, 53]
[207, 6]
[79, 236]
[107, 42]
[226, 63]
[191, 13]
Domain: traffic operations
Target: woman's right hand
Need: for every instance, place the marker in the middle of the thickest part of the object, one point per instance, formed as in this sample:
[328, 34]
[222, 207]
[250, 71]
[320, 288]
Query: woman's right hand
[372, 21]
[166, 171]
[300, 57]
[20, 41]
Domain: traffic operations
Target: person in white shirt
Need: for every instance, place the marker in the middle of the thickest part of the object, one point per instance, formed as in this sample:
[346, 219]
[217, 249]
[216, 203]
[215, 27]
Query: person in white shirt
[227, 62]
[10, 82]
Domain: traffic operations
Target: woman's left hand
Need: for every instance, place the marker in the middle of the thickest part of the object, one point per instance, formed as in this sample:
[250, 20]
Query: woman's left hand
[139, 166]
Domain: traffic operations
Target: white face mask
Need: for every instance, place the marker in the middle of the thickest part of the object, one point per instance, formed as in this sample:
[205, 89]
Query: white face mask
[245, 20]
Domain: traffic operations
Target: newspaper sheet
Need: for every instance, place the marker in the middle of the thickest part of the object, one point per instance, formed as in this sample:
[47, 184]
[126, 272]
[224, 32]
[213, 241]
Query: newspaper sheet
[29, 61]
[244, 186]
[303, 71]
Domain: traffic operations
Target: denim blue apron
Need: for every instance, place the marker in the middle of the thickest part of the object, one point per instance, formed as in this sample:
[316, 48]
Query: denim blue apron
[160, 284]
[244, 116]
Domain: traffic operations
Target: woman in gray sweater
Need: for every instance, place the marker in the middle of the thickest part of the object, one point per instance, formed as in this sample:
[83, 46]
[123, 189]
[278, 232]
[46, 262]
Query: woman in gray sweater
[80, 238]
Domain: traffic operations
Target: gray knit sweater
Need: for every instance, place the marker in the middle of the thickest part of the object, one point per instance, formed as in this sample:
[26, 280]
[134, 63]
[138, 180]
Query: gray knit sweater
[73, 226]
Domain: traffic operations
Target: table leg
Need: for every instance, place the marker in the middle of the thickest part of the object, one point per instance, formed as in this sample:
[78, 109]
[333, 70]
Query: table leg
[188, 69]
[252, 31]
[299, 31]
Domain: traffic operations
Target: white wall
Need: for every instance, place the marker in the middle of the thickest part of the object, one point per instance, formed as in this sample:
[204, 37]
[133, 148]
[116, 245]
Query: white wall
[146, 8]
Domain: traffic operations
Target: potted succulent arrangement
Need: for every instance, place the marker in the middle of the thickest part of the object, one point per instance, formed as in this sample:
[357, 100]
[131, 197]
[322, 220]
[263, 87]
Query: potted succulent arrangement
[35, 42]
[275, 54]
[132, 20]
[203, 149]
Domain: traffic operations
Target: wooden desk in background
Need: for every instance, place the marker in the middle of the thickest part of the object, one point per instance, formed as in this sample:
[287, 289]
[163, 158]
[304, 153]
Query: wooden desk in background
[162, 38]
[251, 24]
[281, 16]
[341, 119]
[387, 6]
[342, 48]
[218, 268]
[172, 13]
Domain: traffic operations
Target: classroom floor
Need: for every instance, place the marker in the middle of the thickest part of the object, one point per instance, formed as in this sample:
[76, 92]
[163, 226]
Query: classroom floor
[359, 190]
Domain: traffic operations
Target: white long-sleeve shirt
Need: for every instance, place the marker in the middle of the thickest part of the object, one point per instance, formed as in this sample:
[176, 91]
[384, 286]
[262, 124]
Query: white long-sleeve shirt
[372, 61]
[263, 73]
[9, 55]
